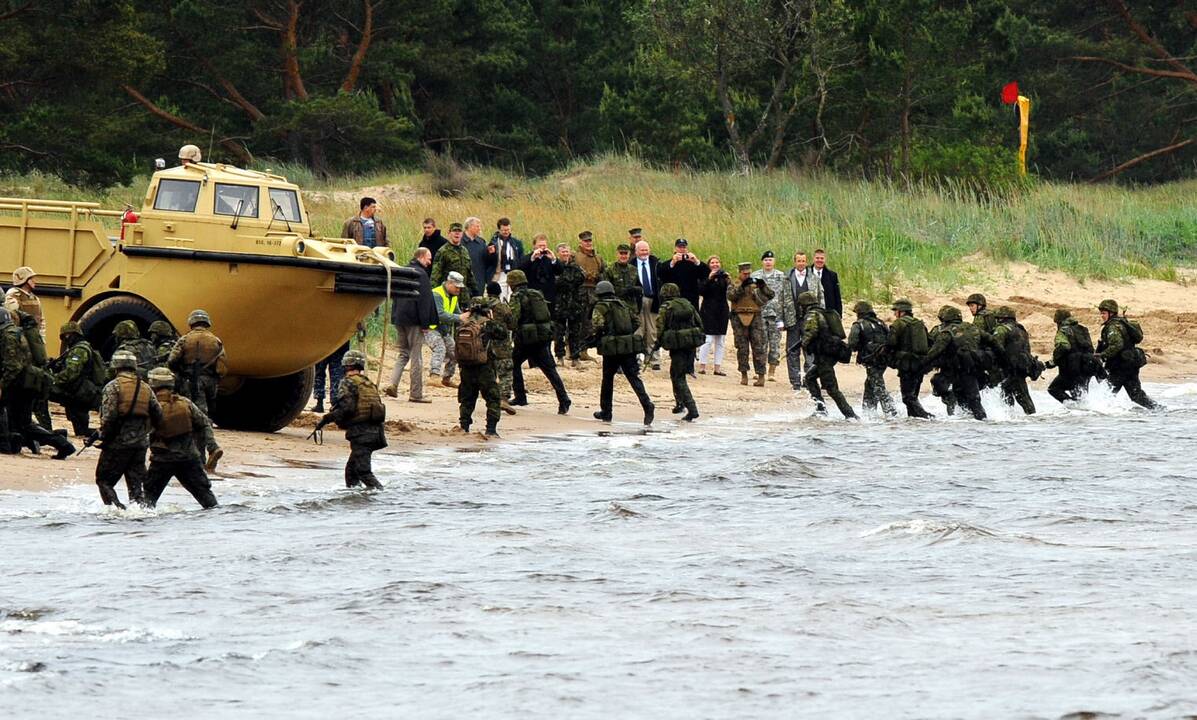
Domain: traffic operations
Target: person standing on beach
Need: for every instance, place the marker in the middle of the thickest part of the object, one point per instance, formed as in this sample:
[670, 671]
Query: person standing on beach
[411, 318]
[477, 338]
[360, 413]
[798, 281]
[907, 349]
[593, 268]
[622, 276]
[747, 297]
[771, 313]
[1119, 349]
[570, 306]
[366, 228]
[649, 302]
[614, 326]
[685, 270]
[504, 254]
[828, 282]
[715, 314]
[480, 252]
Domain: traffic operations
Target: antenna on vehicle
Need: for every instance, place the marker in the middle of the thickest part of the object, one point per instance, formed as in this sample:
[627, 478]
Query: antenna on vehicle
[211, 138]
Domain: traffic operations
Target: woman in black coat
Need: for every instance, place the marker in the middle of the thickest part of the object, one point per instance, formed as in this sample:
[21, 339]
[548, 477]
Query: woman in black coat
[715, 313]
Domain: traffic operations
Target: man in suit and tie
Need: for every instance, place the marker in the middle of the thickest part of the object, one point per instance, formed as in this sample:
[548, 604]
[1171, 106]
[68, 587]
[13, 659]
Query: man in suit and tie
[798, 281]
[646, 265]
[828, 284]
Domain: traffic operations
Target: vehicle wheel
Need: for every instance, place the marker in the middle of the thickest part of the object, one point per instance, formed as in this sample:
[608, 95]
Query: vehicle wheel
[264, 405]
[101, 318]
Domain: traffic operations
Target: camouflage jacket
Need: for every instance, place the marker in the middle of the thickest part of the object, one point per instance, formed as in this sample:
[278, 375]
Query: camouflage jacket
[813, 325]
[126, 433]
[453, 258]
[163, 350]
[776, 280]
[499, 337]
[598, 318]
[1065, 343]
[627, 283]
[76, 368]
[1113, 339]
[985, 320]
[571, 300]
[369, 433]
[182, 448]
[144, 352]
[14, 355]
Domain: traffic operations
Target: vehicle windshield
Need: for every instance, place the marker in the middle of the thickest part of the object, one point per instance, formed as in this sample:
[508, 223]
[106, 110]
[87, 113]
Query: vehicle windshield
[177, 195]
[284, 205]
[241, 200]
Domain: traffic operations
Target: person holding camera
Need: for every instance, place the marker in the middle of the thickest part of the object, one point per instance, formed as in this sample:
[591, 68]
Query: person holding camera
[715, 314]
[541, 269]
[685, 270]
[748, 296]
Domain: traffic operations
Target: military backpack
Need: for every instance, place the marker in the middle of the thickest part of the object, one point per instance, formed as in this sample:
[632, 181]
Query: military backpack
[176, 416]
[618, 336]
[681, 330]
[369, 403]
[1134, 331]
[873, 338]
[830, 341]
[472, 350]
[536, 319]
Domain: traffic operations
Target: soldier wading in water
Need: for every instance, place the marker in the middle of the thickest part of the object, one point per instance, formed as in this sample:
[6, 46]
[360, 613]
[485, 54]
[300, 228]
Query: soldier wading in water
[360, 413]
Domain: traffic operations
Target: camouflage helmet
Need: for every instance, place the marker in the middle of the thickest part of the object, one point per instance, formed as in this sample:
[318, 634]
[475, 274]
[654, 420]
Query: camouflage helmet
[862, 308]
[199, 317]
[670, 291]
[902, 304]
[5, 317]
[161, 328]
[807, 298]
[479, 302]
[123, 360]
[354, 358]
[947, 313]
[604, 287]
[515, 278]
[21, 275]
[1110, 306]
[1004, 312]
[70, 328]
[126, 330]
[1061, 315]
[976, 299]
[190, 152]
[161, 377]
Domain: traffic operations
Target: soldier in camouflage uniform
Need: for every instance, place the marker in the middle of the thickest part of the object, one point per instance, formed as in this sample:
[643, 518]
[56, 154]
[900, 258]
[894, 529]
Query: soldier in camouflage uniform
[772, 311]
[615, 324]
[622, 276]
[747, 297]
[25, 309]
[129, 339]
[1013, 349]
[163, 337]
[128, 410]
[1123, 357]
[359, 411]
[501, 350]
[173, 453]
[38, 376]
[480, 379]
[907, 349]
[79, 377]
[532, 337]
[199, 361]
[593, 267]
[1072, 353]
[570, 307]
[987, 321]
[820, 343]
[867, 339]
[454, 257]
[953, 351]
[679, 330]
[21, 385]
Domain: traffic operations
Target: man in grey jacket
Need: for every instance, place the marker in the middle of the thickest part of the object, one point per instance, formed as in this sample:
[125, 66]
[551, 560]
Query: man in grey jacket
[798, 281]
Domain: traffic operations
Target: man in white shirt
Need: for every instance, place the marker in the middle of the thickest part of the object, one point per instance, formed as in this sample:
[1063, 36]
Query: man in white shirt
[646, 265]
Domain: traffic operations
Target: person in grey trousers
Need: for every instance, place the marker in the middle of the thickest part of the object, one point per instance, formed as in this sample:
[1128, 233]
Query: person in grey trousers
[798, 280]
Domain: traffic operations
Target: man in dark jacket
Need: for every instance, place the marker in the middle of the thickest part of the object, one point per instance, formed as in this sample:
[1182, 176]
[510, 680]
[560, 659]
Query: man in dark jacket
[479, 251]
[541, 268]
[830, 283]
[504, 254]
[411, 316]
[432, 238]
[366, 228]
[685, 270]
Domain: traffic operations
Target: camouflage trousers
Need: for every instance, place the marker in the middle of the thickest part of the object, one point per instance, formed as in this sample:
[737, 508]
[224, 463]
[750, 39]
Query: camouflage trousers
[681, 364]
[329, 368]
[569, 334]
[503, 372]
[477, 380]
[750, 339]
[875, 393]
[1015, 390]
[444, 353]
[114, 464]
[190, 474]
[773, 340]
[955, 388]
[823, 374]
[910, 384]
[1128, 378]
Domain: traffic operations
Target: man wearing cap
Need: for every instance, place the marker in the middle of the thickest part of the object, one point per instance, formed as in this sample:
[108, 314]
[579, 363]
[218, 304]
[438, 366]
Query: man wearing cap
[649, 302]
[747, 296]
[907, 348]
[21, 296]
[454, 257]
[446, 299]
[771, 313]
[1119, 349]
[624, 279]
[364, 228]
[593, 268]
[685, 270]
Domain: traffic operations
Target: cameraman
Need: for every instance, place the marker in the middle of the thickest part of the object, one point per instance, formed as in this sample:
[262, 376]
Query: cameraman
[542, 268]
[747, 297]
[685, 270]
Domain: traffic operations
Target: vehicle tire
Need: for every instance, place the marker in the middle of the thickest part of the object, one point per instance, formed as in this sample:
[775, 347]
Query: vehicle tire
[264, 404]
[99, 320]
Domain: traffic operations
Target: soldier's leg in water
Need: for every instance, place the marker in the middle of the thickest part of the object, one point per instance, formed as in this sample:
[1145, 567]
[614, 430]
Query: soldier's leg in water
[519, 392]
[968, 394]
[941, 387]
[1061, 387]
[1022, 395]
[109, 469]
[887, 402]
[677, 379]
[362, 457]
[611, 366]
[157, 477]
[1134, 390]
[135, 475]
[910, 384]
[686, 360]
[831, 384]
[192, 477]
[810, 381]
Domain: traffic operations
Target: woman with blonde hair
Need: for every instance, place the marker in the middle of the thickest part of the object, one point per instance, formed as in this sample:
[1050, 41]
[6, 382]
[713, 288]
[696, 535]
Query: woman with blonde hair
[715, 313]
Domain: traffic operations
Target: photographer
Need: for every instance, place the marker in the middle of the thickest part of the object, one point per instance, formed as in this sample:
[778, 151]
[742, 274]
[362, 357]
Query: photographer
[685, 270]
[715, 313]
[747, 296]
[542, 268]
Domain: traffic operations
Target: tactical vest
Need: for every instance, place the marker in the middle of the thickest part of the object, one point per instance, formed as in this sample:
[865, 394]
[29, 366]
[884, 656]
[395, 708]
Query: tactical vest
[176, 415]
[618, 337]
[746, 303]
[911, 341]
[29, 304]
[199, 347]
[966, 342]
[132, 397]
[873, 337]
[536, 320]
[680, 330]
[450, 301]
[369, 403]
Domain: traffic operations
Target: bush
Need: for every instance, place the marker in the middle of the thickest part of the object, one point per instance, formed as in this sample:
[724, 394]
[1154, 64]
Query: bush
[446, 176]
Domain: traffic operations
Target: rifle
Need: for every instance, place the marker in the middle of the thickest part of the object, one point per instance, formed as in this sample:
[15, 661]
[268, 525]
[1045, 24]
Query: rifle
[317, 434]
[91, 440]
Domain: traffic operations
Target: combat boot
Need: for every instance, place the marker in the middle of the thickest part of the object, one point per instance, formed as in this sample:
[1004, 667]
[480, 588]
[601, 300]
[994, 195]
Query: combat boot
[63, 446]
[391, 391]
[109, 496]
[492, 428]
[678, 409]
[506, 407]
[563, 406]
[448, 382]
[573, 363]
[648, 414]
[691, 413]
[319, 408]
[600, 415]
[465, 427]
[760, 381]
[772, 371]
[743, 378]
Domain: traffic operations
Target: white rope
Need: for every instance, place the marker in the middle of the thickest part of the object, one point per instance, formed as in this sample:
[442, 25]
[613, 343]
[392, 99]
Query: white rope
[386, 317]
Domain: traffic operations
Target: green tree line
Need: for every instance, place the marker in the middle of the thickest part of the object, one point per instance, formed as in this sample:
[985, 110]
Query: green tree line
[93, 90]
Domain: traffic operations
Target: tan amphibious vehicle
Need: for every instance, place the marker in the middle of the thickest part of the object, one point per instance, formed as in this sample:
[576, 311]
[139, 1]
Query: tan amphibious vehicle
[237, 243]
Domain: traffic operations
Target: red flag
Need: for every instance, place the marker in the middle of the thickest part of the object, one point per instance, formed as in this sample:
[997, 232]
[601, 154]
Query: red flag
[1010, 93]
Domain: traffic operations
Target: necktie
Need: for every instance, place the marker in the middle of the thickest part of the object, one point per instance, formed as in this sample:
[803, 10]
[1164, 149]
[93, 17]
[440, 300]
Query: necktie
[644, 281]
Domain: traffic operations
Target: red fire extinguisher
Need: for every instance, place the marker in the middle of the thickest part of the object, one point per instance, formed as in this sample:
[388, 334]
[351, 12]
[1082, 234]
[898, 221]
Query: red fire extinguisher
[128, 218]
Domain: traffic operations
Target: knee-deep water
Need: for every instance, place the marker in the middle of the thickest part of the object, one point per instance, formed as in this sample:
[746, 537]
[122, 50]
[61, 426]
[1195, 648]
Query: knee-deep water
[770, 566]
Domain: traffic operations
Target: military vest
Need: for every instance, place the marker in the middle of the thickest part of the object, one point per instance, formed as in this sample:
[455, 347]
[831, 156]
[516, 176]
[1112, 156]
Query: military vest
[618, 337]
[536, 320]
[369, 407]
[133, 396]
[176, 415]
[746, 304]
[873, 337]
[27, 303]
[681, 327]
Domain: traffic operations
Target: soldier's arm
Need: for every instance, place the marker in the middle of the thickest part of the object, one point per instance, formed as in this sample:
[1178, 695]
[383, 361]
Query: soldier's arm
[516, 307]
[176, 354]
[11, 303]
[939, 343]
[1113, 341]
[9, 369]
[73, 366]
[660, 322]
[1062, 347]
[200, 423]
[810, 330]
[895, 332]
[764, 293]
[734, 291]
[854, 337]
[109, 409]
[345, 405]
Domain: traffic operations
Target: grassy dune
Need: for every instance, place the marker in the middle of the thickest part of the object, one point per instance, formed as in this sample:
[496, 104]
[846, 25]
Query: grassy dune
[876, 234]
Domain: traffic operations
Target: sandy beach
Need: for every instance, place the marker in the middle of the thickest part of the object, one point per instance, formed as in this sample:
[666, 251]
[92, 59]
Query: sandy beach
[1165, 310]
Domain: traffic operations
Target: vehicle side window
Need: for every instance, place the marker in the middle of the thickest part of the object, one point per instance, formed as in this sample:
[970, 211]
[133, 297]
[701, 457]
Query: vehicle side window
[284, 205]
[236, 200]
[177, 195]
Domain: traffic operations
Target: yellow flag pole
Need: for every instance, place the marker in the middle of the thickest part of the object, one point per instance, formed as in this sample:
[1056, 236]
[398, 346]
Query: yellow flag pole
[1024, 131]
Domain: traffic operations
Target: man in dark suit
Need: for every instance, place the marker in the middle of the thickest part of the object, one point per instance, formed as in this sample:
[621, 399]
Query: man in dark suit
[647, 266]
[685, 270]
[829, 282]
[798, 281]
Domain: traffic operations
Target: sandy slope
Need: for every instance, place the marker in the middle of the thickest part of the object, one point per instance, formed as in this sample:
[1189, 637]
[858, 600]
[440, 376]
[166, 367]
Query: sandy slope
[1167, 311]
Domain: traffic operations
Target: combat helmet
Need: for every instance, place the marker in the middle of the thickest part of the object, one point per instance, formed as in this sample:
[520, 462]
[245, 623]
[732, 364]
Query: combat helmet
[1061, 315]
[1110, 306]
[161, 328]
[69, 328]
[902, 304]
[5, 317]
[161, 377]
[199, 317]
[480, 303]
[1004, 312]
[976, 299]
[807, 298]
[354, 358]
[948, 314]
[862, 308]
[670, 291]
[21, 275]
[515, 278]
[123, 360]
[190, 152]
[603, 288]
[126, 330]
